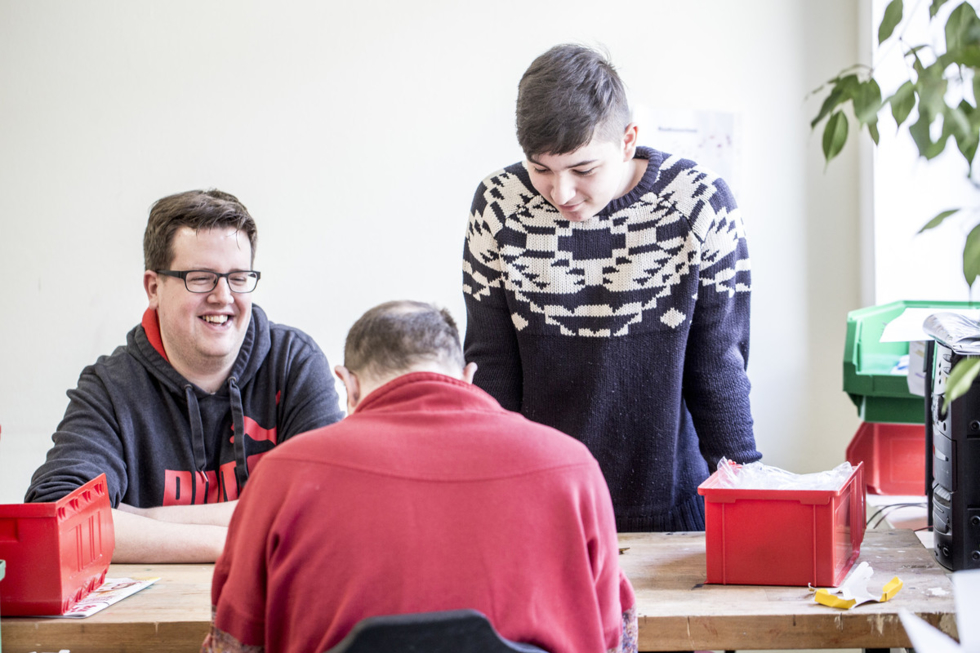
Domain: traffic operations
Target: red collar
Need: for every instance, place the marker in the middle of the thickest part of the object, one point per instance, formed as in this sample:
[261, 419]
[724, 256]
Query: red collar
[151, 324]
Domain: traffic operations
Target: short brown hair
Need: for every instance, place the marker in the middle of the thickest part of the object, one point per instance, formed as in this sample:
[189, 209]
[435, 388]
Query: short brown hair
[197, 209]
[568, 95]
[393, 337]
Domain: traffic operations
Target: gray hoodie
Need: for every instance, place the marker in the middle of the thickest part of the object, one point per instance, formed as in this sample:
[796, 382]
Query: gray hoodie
[161, 440]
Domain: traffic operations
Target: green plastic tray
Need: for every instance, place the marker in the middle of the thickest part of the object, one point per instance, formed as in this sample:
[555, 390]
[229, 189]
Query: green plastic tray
[879, 395]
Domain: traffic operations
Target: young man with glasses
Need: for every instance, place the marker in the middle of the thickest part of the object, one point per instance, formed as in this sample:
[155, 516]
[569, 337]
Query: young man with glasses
[203, 388]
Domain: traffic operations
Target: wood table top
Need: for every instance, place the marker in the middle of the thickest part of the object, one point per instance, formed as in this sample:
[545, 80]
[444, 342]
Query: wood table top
[677, 610]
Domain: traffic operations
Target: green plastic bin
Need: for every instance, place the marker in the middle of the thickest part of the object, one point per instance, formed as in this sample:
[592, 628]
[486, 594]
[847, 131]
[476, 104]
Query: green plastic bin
[879, 395]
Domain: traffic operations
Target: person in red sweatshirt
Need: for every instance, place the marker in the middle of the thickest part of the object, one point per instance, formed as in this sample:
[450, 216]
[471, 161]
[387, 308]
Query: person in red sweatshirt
[429, 496]
[203, 388]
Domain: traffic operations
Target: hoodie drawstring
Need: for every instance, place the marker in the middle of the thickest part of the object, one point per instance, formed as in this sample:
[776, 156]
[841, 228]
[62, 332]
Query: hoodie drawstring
[197, 428]
[238, 419]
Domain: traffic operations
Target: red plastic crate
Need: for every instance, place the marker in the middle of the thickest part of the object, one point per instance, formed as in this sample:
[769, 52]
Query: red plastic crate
[894, 457]
[56, 552]
[783, 537]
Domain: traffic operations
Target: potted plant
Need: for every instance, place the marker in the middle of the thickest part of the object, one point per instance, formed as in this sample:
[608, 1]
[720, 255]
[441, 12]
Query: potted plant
[936, 104]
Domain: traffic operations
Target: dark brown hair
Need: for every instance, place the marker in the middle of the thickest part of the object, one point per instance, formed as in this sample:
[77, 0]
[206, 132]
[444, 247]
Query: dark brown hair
[568, 95]
[197, 209]
[394, 336]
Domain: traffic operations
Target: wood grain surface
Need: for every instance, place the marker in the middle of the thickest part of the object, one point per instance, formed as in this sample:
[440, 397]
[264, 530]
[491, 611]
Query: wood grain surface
[677, 611]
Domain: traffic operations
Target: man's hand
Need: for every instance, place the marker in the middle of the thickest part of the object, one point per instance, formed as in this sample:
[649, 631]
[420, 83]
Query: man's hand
[171, 533]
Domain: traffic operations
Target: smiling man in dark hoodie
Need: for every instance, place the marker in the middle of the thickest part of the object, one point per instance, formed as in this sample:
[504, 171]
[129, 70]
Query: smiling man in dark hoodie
[206, 385]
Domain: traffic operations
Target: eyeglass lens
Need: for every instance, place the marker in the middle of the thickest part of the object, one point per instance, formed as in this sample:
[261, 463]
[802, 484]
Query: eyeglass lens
[202, 281]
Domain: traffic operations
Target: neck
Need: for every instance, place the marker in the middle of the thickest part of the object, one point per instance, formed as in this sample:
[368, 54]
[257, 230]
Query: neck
[365, 384]
[633, 174]
[209, 374]
[207, 381]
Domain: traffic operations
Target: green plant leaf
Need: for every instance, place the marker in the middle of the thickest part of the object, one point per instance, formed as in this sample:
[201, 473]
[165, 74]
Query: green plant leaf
[976, 91]
[971, 256]
[934, 8]
[959, 122]
[891, 19]
[834, 135]
[938, 220]
[964, 129]
[968, 55]
[902, 102]
[960, 379]
[962, 28]
[917, 64]
[931, 90]
[921, 134]
[843, 89]
[867, 101]
[873, 130]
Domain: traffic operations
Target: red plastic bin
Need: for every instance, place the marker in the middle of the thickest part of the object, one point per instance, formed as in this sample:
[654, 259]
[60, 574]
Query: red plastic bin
[894, 457]
[783, 537]
[56, 552]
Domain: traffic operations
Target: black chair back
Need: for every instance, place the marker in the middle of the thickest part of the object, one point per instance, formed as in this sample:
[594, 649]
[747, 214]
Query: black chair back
[453, 631]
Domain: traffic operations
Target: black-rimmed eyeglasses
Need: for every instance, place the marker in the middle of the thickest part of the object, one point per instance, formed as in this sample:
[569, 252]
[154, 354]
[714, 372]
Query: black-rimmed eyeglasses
[202, 281]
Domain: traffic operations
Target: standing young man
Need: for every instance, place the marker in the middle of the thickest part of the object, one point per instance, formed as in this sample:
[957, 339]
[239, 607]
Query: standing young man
[607, 293]
[204, 387]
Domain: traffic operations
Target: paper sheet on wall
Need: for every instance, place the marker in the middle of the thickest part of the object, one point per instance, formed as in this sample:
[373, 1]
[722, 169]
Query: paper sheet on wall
[709, 138]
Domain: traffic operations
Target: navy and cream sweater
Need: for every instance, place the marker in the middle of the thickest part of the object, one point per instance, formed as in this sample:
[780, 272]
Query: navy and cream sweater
[629, 331]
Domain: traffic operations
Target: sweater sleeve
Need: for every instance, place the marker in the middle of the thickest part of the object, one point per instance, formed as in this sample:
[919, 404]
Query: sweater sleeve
[491, 339]
[86, 444]
[309, 399]
[239, 583]
[716, 386]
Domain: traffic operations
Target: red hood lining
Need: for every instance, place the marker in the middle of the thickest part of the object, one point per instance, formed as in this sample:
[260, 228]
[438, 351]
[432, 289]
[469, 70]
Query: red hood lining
[151, 324]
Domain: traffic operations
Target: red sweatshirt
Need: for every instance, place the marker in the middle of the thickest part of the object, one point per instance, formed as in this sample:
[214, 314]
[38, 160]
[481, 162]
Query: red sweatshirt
[429, 497]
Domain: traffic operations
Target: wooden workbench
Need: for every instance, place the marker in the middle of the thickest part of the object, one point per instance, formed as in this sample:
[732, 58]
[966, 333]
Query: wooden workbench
[677, 611]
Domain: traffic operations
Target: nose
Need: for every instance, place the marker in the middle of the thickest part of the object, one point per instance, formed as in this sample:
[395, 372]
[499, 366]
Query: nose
[563, 189]
[222, 292]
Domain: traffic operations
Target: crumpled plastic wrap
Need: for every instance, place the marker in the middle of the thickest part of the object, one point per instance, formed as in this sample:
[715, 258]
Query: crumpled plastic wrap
[757, 476]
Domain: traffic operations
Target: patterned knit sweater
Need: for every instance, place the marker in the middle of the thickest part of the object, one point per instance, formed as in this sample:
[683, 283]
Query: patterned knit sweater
[629, 331]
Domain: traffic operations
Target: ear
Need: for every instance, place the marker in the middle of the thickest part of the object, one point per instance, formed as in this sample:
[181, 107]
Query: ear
[151, 284]
[468, 372]
[352, 384]
[630, 141]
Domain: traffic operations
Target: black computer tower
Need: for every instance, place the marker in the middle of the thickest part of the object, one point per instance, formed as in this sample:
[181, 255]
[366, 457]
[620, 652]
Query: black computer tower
[955, 469]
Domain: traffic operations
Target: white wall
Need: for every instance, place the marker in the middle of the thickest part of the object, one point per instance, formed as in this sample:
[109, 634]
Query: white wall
[356, 134]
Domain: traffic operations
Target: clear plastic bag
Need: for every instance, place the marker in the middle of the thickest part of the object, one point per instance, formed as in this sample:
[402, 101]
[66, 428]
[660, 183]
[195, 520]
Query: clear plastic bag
[756, 476]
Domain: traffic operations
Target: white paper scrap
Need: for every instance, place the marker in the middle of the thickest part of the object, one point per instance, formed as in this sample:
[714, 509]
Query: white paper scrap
[966, 593]
[908, 326]
[925, 638]
[854, 590]
[916, 368]
[928, 639]
[111, 591]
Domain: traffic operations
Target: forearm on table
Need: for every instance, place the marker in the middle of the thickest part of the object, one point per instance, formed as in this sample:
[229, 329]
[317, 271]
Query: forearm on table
[210, 514]
[141, 539]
